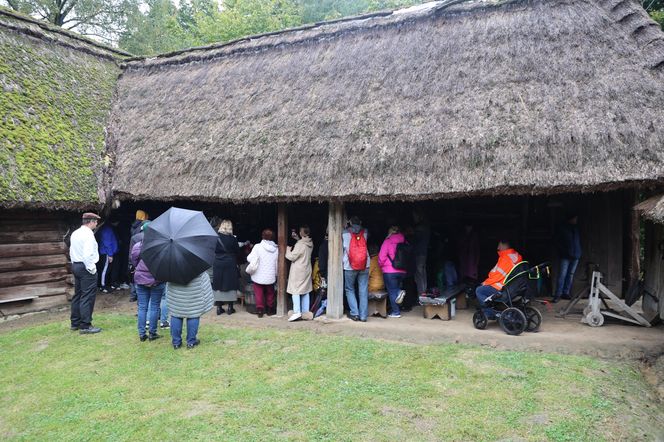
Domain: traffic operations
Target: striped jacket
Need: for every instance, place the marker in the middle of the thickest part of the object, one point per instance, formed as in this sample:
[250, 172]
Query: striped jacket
[507, 259]
[190, 300]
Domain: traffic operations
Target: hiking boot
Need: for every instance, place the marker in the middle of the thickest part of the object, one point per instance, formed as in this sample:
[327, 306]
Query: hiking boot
[89, 330]
[295, 317]
[143, 338]
[402, 294]
[354, 318]
[154, 337]
[230, 310]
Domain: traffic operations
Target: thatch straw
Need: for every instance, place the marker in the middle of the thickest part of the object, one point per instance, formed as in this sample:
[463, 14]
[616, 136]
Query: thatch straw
[652, 209]
[484, 98]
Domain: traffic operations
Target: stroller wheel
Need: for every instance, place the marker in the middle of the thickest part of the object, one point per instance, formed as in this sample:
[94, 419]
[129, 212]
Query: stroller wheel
[480, 320]
[595, 319]
[533, 318]
[513, 321]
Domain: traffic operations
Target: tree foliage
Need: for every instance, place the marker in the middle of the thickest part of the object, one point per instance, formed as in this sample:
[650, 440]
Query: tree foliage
[103, 19]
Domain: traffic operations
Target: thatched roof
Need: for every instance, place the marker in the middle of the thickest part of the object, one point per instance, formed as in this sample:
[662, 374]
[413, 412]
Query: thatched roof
[652, 209]
[524, 96]
[55, 101]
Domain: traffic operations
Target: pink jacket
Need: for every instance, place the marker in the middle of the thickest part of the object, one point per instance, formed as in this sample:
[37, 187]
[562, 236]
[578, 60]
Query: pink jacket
[387, 252]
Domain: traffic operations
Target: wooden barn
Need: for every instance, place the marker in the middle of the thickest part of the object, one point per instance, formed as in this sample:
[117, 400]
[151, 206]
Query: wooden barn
[500, 113]
[56, 96]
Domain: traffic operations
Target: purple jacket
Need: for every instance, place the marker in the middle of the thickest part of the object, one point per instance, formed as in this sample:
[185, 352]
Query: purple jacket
[387, 252]
[142, 274]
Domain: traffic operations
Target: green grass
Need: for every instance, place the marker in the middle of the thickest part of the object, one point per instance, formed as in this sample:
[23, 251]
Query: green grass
[244, 384]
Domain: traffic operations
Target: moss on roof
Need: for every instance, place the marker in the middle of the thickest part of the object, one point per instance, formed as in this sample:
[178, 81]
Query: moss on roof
[54, 107]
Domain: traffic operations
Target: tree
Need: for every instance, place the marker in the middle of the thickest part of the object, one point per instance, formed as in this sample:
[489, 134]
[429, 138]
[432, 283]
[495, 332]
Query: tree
[103, 19]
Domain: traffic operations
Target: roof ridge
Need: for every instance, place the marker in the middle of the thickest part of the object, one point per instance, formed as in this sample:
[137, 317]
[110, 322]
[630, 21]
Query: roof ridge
[58, 30]
[440, 5]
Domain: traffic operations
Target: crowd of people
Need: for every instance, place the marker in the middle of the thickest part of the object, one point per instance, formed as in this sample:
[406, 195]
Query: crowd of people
[402, 256]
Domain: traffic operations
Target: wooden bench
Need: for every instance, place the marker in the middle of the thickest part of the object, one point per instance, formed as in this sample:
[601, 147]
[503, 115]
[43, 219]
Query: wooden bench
[445, 305]
[378, 304]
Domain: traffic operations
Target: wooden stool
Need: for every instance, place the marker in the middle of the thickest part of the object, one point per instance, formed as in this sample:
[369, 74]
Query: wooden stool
[378, 304]
[462, 301]
[445, 311]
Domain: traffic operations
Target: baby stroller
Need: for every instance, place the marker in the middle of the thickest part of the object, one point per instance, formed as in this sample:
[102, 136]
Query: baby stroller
[512, 305]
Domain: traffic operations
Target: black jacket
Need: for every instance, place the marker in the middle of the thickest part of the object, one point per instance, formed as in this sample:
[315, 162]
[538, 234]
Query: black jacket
[225, 273]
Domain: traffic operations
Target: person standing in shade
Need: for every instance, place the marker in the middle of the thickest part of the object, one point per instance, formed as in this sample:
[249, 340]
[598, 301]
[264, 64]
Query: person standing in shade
[356, 263]
[299, 278]
[262, 267]
[84, 255]
[468, 248]
[391, 275]
[188, 302]
[150, 293]
[421, 239]
[134, 232]
[108, 247]
[225, 271]
[569, 248]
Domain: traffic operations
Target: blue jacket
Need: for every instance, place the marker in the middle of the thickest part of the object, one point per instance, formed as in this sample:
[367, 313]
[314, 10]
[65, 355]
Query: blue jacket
[569, 241]
[108, 242]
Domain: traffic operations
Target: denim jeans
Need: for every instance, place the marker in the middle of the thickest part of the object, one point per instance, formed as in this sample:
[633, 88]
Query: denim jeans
[567, 270]
[482, 292]
[300, 303]
[148, 296]
[361, 277]
[162, 310]
[176, 330]
[393, 286]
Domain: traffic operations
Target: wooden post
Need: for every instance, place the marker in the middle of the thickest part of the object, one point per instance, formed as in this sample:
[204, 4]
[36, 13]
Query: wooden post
[335, 273]
[282, 276]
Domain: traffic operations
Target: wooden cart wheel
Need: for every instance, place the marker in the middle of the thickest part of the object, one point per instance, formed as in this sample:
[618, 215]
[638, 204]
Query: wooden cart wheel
[594, 319]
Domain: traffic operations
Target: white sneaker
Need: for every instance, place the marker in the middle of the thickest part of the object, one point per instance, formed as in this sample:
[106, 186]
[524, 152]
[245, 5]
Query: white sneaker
[402, 294]
[392, 315]
[124, 286]
[295, 317]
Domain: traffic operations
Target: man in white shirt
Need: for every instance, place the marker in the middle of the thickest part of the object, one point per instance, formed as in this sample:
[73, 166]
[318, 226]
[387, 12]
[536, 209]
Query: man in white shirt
[84, 255]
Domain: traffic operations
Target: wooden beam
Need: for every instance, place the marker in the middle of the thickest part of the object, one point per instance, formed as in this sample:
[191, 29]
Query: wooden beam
[30, 236]
[40, 290]
[14, 250]
[16, 308]
[27, 277]
[32, 262]
[282, 275]
[335, 273]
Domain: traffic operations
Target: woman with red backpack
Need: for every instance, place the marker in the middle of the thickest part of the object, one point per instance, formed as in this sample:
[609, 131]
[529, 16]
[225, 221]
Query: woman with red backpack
[390, 265]
[356, 263]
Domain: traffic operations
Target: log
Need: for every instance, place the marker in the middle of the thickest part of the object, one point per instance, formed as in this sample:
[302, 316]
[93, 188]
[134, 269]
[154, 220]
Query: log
[15, 250]
[17, 308]
[41, 290]
[27, 277]
[282, 228]
[31, 236]
[32, 262]
[335, 273]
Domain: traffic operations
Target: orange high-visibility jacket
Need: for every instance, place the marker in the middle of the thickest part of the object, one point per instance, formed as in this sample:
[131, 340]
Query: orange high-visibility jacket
[507, 259]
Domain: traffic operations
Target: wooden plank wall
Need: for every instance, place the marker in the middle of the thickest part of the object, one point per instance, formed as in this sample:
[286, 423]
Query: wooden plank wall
[33, 261]
[654, 263]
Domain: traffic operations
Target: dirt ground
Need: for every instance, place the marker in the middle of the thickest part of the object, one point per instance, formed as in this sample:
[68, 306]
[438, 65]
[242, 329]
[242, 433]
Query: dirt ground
[614, 340]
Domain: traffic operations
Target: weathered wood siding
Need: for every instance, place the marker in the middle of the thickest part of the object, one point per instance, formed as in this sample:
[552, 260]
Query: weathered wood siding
[34, 269]
[654, 267]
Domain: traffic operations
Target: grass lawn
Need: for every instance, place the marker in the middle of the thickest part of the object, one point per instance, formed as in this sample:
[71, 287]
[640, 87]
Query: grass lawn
[244, 384]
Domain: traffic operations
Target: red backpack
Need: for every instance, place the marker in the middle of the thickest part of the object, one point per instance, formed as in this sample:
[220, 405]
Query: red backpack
[357, 251]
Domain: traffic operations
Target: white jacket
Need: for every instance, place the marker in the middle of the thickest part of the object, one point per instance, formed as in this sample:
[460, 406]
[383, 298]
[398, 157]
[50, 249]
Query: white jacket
[267, 254]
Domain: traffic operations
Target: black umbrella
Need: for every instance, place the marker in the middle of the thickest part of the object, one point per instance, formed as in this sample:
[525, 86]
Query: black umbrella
[179, 245]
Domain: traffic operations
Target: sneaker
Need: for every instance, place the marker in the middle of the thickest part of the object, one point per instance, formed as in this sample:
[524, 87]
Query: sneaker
[354, 318]
[105, 290]
[147, 324]
[143, 338]
[295, 317]
[402, 294]
[394, 315]
[176, 346]
[89, 331]
[124, 286]
[164, 324]
[154, 337]
[190, 346]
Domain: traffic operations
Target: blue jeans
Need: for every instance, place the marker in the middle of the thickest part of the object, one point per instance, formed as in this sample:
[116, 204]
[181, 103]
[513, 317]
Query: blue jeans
[393, 286]
[361, 277]
[148, 296]
[482, 292]
[162, 310]
[176, 330]
[567, 270]
[300, 303]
